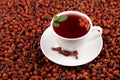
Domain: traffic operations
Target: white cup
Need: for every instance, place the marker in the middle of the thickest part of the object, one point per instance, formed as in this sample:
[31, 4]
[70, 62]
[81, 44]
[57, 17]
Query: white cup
[72, 44]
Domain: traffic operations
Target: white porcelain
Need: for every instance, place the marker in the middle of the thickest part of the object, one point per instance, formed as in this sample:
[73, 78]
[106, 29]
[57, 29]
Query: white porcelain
[87, 53]
[72, 44]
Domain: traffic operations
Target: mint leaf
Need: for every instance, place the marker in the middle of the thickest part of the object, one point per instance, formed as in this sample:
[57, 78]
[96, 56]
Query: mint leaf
[55, 24]
[62, 18]
[56, 17]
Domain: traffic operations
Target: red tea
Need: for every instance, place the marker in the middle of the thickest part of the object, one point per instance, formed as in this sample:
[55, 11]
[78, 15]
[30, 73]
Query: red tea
[75, 26]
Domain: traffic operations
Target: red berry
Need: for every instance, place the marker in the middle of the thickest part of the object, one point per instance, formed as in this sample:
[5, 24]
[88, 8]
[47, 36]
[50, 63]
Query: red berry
[57, 49]
[87, 26]
[65, 53]
[75, 53]
[82, 24]
[86, 21]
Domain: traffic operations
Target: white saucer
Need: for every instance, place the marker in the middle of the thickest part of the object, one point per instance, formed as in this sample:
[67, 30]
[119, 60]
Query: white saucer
[88, 52]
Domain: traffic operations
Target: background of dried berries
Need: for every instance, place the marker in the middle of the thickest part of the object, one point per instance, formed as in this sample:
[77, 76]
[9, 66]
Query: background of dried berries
[22, 23]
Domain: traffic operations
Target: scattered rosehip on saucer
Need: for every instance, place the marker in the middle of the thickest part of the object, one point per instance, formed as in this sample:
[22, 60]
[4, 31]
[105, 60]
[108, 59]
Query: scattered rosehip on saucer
[75, 53]
[57, 49]
[65, 52]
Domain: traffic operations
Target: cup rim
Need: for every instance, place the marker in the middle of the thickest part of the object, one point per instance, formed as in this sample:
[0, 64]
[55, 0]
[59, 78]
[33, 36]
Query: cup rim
[72, 12]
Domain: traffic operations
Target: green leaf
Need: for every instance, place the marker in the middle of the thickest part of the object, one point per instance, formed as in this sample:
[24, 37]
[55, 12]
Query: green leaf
[62, 18]
[56, 17]
[55, 24]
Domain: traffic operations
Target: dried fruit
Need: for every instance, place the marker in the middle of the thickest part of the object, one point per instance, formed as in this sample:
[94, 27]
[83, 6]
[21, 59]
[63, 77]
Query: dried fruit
[5, 76]
[10, 51]
[57, 49]
[65, 52]
[82, 24]
[75, 53]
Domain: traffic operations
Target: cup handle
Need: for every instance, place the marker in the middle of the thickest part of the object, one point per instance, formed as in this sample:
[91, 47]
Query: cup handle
[96, 28]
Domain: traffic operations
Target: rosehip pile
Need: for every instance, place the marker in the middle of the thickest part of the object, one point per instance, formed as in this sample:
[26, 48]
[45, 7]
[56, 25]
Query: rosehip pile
[22, 23]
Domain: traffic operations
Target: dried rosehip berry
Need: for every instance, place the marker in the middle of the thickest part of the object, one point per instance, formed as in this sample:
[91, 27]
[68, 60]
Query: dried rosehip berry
[75, 53]
[10, 51]
[65, 52]
[82, 24]
[57, 49]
